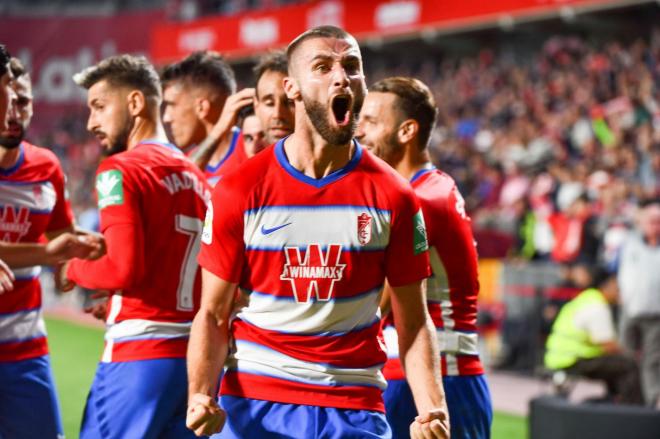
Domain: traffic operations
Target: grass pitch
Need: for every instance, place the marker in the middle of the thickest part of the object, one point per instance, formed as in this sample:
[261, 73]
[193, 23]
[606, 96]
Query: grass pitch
[76, 350]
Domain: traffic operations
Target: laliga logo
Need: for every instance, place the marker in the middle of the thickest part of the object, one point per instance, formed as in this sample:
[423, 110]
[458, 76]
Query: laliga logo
[315, 274]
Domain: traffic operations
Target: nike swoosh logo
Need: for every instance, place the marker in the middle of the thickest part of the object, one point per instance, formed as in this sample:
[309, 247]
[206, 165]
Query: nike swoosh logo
[265, 231]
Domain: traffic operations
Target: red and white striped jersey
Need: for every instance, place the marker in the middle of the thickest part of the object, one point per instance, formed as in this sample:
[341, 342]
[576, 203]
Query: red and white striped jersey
[32, 202]
[234, 157]
[310, 257]
[159, 191]
[453, 288]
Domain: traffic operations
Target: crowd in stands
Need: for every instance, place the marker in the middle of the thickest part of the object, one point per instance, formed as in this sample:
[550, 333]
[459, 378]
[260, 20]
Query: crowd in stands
[554, 151]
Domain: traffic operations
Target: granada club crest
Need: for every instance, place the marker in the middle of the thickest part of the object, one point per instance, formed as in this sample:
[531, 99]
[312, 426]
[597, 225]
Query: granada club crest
[364, 228]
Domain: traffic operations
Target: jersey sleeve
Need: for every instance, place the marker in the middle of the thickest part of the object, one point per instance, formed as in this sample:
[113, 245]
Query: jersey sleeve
[118, 195]
[451, 235]
[62, 215]
[406, 258]
[121, 225]
[223, 246]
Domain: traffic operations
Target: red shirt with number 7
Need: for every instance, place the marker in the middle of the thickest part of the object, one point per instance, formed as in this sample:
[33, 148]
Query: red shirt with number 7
[152, 202]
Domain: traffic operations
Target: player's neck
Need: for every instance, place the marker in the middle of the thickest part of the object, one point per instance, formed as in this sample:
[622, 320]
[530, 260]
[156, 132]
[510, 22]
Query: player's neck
[145, 129]
[413, 161]
[309, 153]
[9, 157]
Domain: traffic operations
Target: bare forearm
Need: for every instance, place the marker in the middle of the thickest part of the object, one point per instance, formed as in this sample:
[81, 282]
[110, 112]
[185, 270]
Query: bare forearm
[202, 155]
[21, 255]
[420, 360]
[207, 351]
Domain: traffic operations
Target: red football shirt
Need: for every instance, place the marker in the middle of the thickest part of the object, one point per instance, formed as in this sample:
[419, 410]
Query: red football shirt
[310, 257]
[32, 202]
[234, 157]
[152, 201]
[454, 286]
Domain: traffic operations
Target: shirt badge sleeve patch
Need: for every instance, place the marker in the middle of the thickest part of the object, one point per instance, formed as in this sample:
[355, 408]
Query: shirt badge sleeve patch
[207, 232]
[110, 188]
[420, 243]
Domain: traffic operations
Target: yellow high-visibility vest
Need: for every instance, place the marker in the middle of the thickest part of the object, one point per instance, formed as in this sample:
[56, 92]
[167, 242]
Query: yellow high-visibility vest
[567, 343]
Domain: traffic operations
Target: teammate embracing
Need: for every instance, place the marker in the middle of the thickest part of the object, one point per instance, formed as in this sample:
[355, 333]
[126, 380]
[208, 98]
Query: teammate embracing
[395, 123]
[152, 201]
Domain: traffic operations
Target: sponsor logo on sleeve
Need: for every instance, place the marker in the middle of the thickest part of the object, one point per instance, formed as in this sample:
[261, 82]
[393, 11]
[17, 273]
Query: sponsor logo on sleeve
[420, 243]
[207, 232]
[110, 188]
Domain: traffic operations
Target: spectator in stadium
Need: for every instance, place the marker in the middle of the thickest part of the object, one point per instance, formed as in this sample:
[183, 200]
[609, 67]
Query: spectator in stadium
[200, 111]
[303, 196]
[639, 281]
[271, 105]
[152, 203]
[5, 89]
[583, 340]
[395, 124]
[32, 204]
[573, 229]
[253, 132]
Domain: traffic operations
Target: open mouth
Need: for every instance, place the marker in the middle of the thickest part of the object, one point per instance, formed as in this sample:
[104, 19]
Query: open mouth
[341, 109]
[13, 129]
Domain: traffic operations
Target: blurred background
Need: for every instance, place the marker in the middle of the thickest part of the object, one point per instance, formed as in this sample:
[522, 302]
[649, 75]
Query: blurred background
[549, 122]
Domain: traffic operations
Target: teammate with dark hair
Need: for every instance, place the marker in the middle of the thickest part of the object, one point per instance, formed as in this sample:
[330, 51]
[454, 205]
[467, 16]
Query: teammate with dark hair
[253, 133]
[5, 90]
[200, 111]
[396, 123]
[309, 230]
[151, 200]
[271, 105]
[32, 203]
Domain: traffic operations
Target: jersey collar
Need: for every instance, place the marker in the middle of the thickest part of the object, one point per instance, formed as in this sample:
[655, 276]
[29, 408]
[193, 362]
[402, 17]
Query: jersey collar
[425, 170]
[159, 143]
[232, 145]
[317, 182]
[21, 159]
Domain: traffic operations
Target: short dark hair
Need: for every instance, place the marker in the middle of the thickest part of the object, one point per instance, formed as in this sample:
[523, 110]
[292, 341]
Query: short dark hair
[648, 201]
[245, 112]
[414, 101]
[272, 62]
[122, 70]
[4, 59]
[317, 32]
[17, 67]
[202, 68]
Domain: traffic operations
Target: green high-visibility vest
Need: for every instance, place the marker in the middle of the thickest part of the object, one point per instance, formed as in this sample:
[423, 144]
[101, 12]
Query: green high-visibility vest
[567, 343]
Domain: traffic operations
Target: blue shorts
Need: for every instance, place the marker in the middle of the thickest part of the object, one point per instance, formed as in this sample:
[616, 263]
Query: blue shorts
[138, 399]
[468, 400]
[251, 418]
[28, 403]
